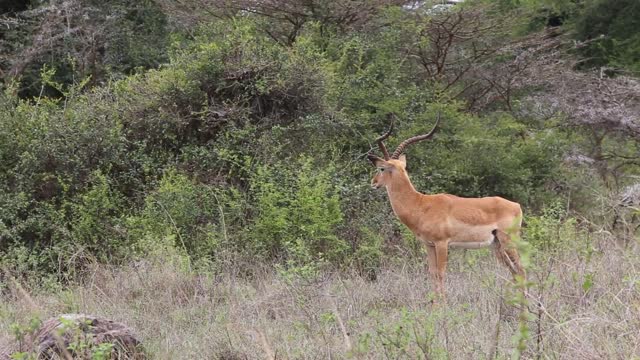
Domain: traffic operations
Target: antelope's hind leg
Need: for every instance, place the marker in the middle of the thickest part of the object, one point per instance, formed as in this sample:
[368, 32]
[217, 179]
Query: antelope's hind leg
[506, 252]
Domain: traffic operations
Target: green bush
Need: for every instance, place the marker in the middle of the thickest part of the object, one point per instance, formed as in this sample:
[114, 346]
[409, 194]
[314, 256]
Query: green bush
[553, 230]
[487, 156]
[240, 147]
[369, 254]
[96, 222]
[611, 27]
[297, 214]
[185, 215]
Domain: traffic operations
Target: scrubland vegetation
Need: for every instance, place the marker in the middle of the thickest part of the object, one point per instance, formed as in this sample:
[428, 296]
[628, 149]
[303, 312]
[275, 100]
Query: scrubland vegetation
[197, 171]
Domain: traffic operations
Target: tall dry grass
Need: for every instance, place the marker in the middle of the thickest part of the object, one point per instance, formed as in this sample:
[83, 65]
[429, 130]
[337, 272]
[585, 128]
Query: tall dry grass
[581, 307]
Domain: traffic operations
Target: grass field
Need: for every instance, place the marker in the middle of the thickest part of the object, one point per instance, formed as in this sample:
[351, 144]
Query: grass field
[581, 307]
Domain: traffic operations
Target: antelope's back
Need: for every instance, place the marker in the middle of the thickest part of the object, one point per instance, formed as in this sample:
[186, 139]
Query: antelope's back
[484, 210]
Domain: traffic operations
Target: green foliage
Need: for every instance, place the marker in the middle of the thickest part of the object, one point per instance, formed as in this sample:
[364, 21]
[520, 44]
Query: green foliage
[521, 300]
[23, 333]
[185, 215]
[92, 40]
[408, 333]
[608, 27]
[95, 223]
[242, 147]
[612, 28]
[552, 230]
[484, 157]
[82, 344]
[369, 254]
[297, 212]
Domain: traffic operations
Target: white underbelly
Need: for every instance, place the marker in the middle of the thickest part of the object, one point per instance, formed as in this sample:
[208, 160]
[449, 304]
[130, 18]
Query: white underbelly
[471, 236]
[471, 244]
[466, 244]
[465, 236]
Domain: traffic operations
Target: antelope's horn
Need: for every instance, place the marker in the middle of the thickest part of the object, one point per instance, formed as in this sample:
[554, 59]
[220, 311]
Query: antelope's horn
[400, 149]
[384, 136]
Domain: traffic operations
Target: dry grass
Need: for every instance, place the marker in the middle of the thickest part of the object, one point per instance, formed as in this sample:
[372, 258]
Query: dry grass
[181, 315]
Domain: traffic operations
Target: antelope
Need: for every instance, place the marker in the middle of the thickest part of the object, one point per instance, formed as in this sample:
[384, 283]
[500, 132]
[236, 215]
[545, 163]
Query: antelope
[441, 221]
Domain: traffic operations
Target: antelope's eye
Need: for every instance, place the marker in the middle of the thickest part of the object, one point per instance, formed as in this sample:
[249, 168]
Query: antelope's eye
[380, 169]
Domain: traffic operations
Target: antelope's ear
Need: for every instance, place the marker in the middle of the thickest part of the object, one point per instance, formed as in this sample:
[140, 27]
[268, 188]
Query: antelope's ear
[376, 161]
[403, 160]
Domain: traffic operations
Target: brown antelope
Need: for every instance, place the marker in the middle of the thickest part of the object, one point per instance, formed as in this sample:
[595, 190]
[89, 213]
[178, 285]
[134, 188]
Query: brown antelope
[441, 221]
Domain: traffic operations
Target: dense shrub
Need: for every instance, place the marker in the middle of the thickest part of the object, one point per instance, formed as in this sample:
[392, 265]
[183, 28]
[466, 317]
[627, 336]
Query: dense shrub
[80, 39]
[242, 148]
[297, 211]
[611, 29]
[179, 213]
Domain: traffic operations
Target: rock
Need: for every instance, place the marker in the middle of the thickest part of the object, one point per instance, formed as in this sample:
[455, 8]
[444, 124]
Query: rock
[80, 336]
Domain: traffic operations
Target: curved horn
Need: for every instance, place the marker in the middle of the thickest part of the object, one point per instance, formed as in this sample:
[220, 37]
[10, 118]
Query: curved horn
[400, 149]
[384, 136]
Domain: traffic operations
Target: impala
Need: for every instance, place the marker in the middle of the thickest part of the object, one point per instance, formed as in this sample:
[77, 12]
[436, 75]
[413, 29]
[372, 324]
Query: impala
[441, 221]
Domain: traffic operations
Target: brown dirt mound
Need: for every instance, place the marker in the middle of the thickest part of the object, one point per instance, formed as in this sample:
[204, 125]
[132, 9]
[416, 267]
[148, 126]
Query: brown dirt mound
[80, 336]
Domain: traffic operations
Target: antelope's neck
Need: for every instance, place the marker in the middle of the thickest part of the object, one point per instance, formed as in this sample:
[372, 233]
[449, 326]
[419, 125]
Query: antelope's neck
[403, 197]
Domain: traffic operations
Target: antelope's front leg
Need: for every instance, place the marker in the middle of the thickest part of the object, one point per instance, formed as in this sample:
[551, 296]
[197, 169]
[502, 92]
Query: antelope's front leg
[432, 267]
[442, 253]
